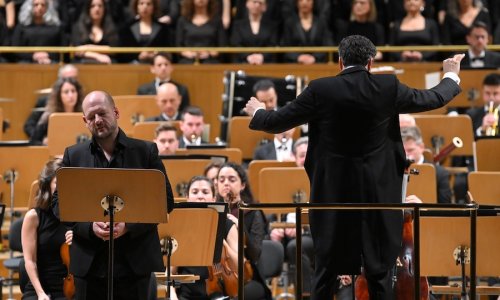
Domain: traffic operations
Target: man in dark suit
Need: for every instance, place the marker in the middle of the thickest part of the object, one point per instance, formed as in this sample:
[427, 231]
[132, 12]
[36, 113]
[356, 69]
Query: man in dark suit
[137, 246]
[360, 161]
[280, 148]
[478, 56]
[162, 68]
[168, 100]
[265, 91]
[484, 118]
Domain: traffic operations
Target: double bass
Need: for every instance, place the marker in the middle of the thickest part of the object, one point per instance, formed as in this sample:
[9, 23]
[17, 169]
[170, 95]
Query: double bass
[404, 282]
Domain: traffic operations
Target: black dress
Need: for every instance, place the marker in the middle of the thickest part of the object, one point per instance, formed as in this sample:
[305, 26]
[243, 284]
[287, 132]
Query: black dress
[51, 270]
[38, 35]
[210, 34]
[294, 35]
[242, 36]
[371, 30]
[454, 31]
[427, 36]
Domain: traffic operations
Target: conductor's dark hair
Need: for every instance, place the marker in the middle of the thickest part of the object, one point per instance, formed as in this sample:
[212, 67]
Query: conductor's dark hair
[356, 50]
[492, 79]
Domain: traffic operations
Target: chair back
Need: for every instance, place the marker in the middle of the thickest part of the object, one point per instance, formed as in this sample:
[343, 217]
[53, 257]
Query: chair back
[15, 235]
[486, 155]
[271, 259]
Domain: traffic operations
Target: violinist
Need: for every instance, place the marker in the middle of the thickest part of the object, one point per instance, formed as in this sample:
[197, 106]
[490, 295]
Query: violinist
[201, 189]
[42, 236]
[233, 187]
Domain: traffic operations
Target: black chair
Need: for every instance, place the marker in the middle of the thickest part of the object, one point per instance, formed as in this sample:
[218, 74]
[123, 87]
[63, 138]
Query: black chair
[12, 264]
[271, 260]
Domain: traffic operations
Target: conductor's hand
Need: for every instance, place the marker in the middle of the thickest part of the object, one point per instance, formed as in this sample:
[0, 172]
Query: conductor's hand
[453, 64]
[252, 106]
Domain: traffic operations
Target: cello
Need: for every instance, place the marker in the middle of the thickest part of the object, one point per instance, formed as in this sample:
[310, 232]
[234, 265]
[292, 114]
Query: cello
[404, 282]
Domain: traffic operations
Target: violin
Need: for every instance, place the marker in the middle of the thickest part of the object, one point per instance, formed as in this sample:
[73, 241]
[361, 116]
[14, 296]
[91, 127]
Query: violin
[69, 283]
[223, 276]
[404, 287]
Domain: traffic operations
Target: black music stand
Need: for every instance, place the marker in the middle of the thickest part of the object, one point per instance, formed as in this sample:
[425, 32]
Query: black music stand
[193, 225]
[96, 195]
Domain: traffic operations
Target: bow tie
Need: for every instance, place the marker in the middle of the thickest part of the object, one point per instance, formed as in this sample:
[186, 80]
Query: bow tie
[283, 147]
[478, 58]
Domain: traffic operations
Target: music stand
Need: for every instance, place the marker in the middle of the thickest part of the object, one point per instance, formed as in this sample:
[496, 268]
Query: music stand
[65, 129]
[232, 154]
[293, 182]
[96, 195]
[185, 167]
[135, 108]
[447, 127]
[191, 226]
[424, 184]
[254, 171]
[486, 154]
[441, 236]
[471, 83]
[19, 166]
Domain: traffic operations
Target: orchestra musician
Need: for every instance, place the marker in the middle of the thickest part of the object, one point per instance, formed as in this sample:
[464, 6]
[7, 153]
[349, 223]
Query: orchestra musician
[485, 118]
[362, 163]
[233, 187]
[201, 189]
[42, 236]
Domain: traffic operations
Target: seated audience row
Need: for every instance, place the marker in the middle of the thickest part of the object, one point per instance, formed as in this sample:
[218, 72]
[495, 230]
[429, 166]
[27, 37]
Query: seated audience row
[202, 23]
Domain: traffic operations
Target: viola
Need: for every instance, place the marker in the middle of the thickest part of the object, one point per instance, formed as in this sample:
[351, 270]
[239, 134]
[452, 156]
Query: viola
[221, 278]
[69, 283]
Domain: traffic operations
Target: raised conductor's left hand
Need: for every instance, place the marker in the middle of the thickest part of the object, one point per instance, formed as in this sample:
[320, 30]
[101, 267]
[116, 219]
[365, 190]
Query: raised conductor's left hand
[453, 64]
[252, 106]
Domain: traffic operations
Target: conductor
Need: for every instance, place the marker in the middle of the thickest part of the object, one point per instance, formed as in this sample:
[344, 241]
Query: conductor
[355, 155]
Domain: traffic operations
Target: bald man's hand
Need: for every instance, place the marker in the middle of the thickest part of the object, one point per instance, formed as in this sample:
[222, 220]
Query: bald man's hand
[453, 64]
[252, 105]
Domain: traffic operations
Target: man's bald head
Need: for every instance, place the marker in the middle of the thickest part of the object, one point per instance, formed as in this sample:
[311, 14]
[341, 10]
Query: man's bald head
[100, 115]
[168, 99]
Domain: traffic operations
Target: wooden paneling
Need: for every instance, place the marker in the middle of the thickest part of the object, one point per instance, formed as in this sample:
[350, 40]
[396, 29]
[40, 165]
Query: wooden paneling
[20, 81]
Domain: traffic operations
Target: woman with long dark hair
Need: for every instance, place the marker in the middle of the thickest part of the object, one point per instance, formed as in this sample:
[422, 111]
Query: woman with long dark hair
[233, 187]
[66, 96]
[144, 31]
[306, 29]
[42, 236]
[199, 26]
[95, 30]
